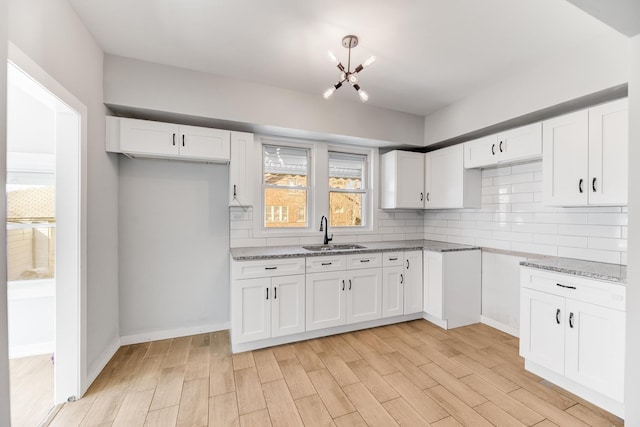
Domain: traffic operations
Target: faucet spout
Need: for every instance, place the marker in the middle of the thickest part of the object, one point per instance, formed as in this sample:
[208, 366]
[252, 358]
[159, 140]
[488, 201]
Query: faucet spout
[327, 239]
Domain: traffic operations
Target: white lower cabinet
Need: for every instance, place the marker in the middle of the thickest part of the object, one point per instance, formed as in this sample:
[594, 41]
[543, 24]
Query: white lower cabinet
[342, 297]
[572, 332]
[452, 287]
[401, 283]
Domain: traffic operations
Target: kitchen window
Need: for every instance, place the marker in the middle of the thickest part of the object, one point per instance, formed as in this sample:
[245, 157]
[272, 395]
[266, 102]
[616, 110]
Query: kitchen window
[347, 189]
[285, 184]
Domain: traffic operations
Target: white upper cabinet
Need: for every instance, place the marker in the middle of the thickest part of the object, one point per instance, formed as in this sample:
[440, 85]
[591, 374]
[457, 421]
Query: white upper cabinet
[585, 157]
[515, 145]
[241, 170]
[402, 180]
[447, 183]
[145, 138]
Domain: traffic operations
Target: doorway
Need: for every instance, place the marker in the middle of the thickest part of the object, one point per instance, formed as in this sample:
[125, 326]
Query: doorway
[44, 241]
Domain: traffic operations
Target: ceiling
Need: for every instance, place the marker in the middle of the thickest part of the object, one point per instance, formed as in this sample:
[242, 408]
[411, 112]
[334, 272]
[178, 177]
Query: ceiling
[430, 53]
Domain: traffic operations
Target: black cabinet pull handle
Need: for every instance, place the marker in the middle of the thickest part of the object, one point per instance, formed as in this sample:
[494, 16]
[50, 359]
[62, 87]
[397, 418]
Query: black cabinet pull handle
[580, 185]
[493, 149]
[428, 197]
[343, 285]
[401, 278]
[558, 316]
[183, 140]
[421, 196]
[174, 139]
[393, 259]
[571, 320]
[234, 191]
[565, 286]
[327, 263]
[267, 293]
[271, 268]
[365, 260]
[275, 293]
[593, 185]
[501, 146]
[407, 264]
[349, 284]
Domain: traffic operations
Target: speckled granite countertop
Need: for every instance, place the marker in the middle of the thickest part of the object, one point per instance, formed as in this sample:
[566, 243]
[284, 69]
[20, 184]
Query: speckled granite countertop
[589, 269]
[272, 252]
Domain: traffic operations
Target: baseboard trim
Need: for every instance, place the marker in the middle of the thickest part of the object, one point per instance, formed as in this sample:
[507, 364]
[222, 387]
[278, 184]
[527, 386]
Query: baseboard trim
[172, 333]
[100, 364]
[500, 326]
[30, 350]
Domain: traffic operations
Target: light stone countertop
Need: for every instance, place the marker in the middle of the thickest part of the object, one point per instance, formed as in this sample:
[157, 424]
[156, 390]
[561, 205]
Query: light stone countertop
[273, 252]
[576, 267]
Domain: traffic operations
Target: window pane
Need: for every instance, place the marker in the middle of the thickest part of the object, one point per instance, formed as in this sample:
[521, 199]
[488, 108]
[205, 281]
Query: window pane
[285, 207]
[285, 166]
[345, 209]
[346, 171]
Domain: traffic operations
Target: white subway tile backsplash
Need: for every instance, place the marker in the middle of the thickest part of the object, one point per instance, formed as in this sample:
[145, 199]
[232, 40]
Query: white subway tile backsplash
[461, 224]
[561, 218]
[494, 244]
[513, 217]
[496, 171]
[461, 240]
[511, 236]
[448, 215]
[527, 187]
[607, 218]
[590, 254]
[535, 248]
[590, 230]
[535, 228]
[513, 179]
[561, 240]
[608, 244]
[526, 167]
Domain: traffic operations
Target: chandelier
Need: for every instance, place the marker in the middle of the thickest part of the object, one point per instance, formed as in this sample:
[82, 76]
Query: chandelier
[349, 41]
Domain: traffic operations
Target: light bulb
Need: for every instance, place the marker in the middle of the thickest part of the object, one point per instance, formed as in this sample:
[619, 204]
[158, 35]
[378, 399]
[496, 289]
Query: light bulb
[333, 58]
[369, 61]
[327, 93]
[353, 78]
[363, 95]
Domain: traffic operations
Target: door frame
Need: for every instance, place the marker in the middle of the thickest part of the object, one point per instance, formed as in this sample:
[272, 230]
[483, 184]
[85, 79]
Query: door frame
[71, 321]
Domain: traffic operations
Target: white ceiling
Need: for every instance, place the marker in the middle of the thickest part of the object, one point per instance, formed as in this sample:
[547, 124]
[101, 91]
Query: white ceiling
[430, 53]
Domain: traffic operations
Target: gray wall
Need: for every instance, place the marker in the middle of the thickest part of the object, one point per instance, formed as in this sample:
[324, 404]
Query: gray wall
[145, 85]
[632, 392]
[173, 247]
[5, 417]
[52, 35]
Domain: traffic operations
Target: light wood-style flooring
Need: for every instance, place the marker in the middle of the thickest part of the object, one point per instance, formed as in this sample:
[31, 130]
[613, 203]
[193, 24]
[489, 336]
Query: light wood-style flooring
[31, 389]
[409, 374]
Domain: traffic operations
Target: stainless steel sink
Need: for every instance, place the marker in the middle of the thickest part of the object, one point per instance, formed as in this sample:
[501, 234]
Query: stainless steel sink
[332, 247]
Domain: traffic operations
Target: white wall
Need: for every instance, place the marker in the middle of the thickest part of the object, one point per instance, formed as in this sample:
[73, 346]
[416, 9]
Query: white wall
[173, 248]
[584, 70]
[5, 405]
[145, 85]
[632, 390]
[51, 34]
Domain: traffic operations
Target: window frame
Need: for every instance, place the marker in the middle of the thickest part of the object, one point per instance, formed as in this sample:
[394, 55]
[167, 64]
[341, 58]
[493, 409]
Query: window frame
[364, 190]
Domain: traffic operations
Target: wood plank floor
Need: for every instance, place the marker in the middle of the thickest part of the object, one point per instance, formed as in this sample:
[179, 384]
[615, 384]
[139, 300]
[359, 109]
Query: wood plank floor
[31, 389]
[409, 374]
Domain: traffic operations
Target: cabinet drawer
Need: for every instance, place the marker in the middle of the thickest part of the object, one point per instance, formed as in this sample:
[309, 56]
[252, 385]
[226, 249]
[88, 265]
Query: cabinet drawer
[267, 268]
[326, 263]
[605, 294]
[357, 261]
[392, 259]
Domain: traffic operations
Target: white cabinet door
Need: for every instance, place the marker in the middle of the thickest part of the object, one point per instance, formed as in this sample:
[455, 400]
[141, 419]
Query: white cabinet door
[433, 284]
[392, 291]
[364, 295]
[204, 143]
[542, 319]
[402, 180]
[241, 170]
[608, 153]
[325, 300]
[594, 338]
[412, 282]
[148, 138]
[251, 311]
[480, 152]
[447, 183]
[519, 144]
[287, 305]
[565, 159]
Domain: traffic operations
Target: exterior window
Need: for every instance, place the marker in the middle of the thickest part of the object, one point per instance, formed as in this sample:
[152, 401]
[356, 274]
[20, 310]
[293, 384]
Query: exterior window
[347, 189]
[285, 186]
